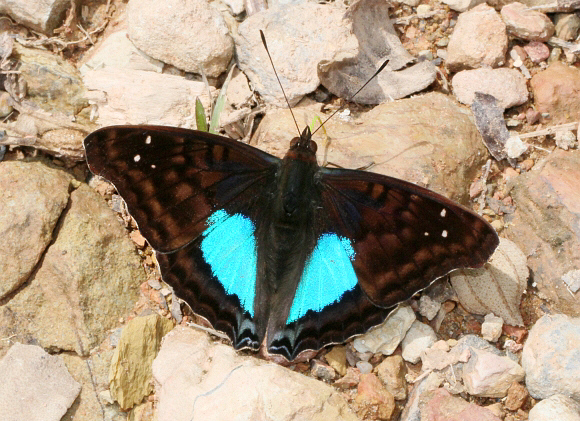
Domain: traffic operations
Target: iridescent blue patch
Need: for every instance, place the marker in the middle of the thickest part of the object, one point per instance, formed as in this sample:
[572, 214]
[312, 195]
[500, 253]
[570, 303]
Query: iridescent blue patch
[229, 247]
[328, 274]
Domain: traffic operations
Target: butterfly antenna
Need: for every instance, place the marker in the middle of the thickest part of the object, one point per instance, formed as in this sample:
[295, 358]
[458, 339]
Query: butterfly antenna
[279, 83]
[355, 94]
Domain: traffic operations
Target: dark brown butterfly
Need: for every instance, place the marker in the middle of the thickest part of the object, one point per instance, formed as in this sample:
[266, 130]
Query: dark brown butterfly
[282, 253]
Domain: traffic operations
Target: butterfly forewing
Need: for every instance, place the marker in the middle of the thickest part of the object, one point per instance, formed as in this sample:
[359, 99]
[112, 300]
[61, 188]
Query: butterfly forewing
[174, 179]
[404, 236]
[182, 187]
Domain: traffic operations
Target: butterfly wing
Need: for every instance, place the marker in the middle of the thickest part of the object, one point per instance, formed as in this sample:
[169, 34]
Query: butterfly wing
[404, 236]
[197, 199]
[392, 239]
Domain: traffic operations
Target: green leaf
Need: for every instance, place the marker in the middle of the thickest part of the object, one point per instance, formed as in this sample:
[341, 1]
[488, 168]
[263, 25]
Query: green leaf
[219, 103]
[200, 116]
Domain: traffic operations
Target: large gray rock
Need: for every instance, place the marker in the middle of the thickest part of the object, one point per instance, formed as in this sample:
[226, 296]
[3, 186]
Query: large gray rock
[40, 15]
[551, 357]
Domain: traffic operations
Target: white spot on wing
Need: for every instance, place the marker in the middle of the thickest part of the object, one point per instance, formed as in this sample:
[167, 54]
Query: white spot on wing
[137, 158]
[426, 234]
[148, 140]
[443, 213]
[444, 234]
[153, 166]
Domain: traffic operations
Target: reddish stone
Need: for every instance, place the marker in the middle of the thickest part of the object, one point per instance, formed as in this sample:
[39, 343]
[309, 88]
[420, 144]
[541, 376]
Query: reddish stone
[557, 91]
[537, 51]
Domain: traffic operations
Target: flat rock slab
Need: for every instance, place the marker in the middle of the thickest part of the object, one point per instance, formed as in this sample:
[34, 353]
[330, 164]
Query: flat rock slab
[35, 386]
[200, 379]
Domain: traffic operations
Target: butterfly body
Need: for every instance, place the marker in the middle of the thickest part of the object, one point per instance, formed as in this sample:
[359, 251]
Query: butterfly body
[282, 254]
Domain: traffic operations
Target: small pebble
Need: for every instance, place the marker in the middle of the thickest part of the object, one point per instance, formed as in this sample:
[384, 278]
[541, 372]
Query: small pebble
[364, 367]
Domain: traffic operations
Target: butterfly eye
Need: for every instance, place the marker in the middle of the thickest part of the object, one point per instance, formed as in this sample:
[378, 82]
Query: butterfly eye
[294, 142]
[313, 146]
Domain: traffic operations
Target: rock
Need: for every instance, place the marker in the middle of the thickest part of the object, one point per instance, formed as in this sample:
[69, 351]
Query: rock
[63, 143]
[140, 97]
[87, 278]
[393, 131]
[527, 24]
[35, 385]
[537, 51]
[545, 224]
[508, 86]
[479, 39]
[428, 307]
[5, 104]
[32, 199]
[551, 357]
[166, 31]
[94, 397]
[572, 280]
[297, 46]
[565, 139]
[567, 26]
[462, 5]
[364, 367]
[322, 371]
[419, 337]
[516, 396]
[130, 372]
[350, 379]
[489, 375]
[53, 84]
[491, 327]
[373, 29]
[373, 398]
[556, 407]
[496, 288]
[336, 358]
[392, 373]
[118, 51]
[199, 379]
[386, 337]
[439, 404]
[557, 92]
[42, 16]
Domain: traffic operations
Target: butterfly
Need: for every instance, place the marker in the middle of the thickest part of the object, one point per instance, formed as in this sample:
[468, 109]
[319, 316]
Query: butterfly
[282, 254]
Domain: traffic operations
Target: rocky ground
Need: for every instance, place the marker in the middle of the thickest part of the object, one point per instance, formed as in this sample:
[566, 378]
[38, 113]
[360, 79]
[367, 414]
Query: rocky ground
[480, 102]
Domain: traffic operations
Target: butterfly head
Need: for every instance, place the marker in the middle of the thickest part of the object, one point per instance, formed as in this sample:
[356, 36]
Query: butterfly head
[303, 147]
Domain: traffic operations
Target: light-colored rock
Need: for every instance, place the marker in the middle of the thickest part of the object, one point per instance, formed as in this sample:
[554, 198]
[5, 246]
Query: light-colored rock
[479, 39]
[527, 24]
[32, 199]
[297, 46]
[40, 15]
[130, 372]
[489, 375]
[462, 5]
[508, 86]
[491, 327]
[141, 97]
[392, 373]
[428, 307]
[439, 404]
[118, 51]
[35, 385]
[166, 31]
[496, 288]
[386, 337]
[551, 357]
[567, 26]
[419, 337]
[556, 407]
[198, 379]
